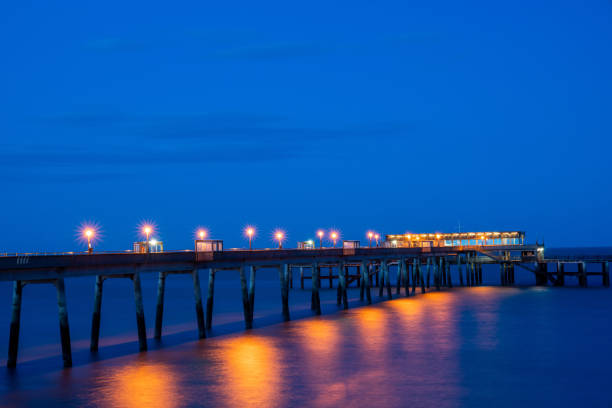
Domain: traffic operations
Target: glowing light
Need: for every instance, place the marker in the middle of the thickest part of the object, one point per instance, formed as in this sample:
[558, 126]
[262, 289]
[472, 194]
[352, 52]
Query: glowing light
[438, 236]
[320, 233]
[88, 233]
[377, 237]
[202, 233]
[334, 235]
[370, 234]
[250, 231]
[153, 242]
[279, 235]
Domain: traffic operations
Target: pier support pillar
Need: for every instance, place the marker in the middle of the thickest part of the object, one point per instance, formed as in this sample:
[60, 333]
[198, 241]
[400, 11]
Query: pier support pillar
[246, 303]
[428, 271]
[605, 274]
[398, 283]
[97, 311]
[449, 279]
[140, 317]
[421, 275]
[541, 274]
[404, 273]
[15, 324]
[199, 309]
[283, 271]
[63, 322]
[480, 273]
[315, 301]
[582, 276]
[301, 277]
[459, 268]
[365, 280]
[252, 290]
[210, 298]
[342, 282]
[437, 272]
[414, 275]
[381, 286]
[560, 274]
[362, 279]
[385, 266]
[159, 310]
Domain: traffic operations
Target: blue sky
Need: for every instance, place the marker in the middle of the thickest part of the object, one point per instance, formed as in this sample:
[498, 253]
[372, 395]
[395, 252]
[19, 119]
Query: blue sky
[394, 116]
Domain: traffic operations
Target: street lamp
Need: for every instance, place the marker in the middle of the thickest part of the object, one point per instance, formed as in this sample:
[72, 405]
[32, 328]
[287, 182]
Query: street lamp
[334, 237]
[89, 234]
[320, 234]
[202, 233]
[370, 236]
[279, 235]
[376, 237]
[250, 231]
[147, 230]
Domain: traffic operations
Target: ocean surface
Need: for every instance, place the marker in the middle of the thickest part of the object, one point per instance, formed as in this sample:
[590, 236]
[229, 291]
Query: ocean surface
[483, 346]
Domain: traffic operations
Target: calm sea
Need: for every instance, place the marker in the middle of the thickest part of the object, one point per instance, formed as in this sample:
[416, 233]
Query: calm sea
[482, 347]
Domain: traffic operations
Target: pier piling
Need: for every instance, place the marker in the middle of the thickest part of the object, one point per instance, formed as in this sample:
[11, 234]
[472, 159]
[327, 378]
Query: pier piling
[159, 310]
[210, 298]
[252, 290]
[197, 297]
[15, 324]
[96, 315]
[63, 322]
[140, 317]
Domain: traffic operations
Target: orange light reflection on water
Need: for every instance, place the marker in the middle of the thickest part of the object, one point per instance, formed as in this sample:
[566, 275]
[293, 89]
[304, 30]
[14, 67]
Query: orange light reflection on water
[140, 385]
[251, 372]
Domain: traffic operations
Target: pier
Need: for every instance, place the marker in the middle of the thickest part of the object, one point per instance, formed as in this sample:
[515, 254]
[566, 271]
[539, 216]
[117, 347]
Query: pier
[418, 269]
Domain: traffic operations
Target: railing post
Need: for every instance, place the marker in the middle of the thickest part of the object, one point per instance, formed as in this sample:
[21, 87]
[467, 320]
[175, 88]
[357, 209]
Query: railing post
[140, 317]
[197, 297]
[97, 311]
[15, 324]
[63, 322]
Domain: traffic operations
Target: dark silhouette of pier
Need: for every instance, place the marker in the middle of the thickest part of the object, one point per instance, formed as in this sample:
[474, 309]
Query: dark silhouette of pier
[418, 270]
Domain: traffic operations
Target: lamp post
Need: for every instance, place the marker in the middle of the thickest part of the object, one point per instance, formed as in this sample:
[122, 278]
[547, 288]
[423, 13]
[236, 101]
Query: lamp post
[376, 237]
[279, 237]
[370, 236]
[320, 234]
[334, 237]
[202, 234]
[250, 231]
[89, 234]
[147, 231]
